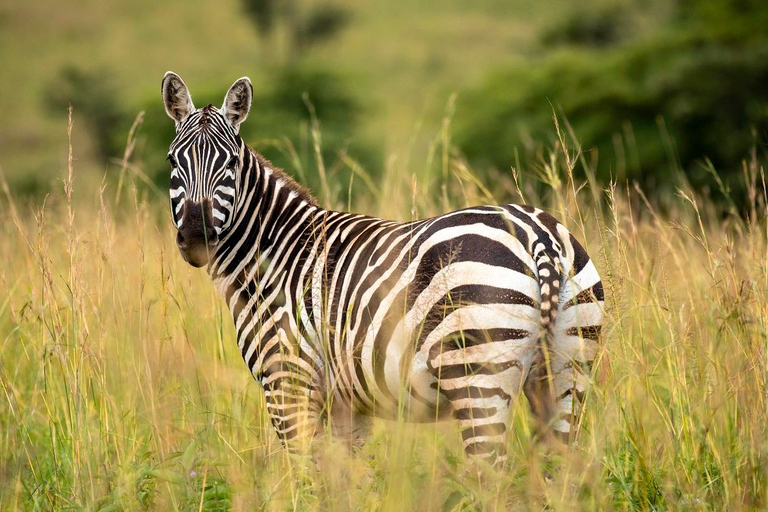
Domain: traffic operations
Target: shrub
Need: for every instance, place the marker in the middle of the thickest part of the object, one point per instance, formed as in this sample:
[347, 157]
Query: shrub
[93, 95]
[645, 109]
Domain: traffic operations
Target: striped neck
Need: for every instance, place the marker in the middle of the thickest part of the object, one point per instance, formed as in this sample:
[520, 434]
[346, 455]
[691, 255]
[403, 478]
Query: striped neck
[271, 211]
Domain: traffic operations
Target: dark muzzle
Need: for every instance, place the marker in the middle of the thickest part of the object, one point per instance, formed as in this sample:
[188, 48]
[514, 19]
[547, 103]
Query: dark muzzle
[197, 238]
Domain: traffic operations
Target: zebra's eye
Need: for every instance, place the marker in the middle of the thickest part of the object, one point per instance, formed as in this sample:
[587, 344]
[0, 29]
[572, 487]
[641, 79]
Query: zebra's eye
[172, 161]
[232, 164]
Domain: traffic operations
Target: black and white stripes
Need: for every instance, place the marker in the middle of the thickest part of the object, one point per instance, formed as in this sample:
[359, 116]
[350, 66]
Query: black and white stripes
[345, 316]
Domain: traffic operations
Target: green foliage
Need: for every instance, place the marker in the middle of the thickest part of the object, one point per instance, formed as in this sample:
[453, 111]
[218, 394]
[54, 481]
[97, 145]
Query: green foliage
[93, 95]
[306, 106]
[320, 24]
[262, 14]
[632, 481]
[194, 482]
[713, 13]
[604, 26]
[306, 25]
[646, 109]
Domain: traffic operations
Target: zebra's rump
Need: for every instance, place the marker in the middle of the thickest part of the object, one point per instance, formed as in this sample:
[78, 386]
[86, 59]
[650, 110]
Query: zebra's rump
[447, 305]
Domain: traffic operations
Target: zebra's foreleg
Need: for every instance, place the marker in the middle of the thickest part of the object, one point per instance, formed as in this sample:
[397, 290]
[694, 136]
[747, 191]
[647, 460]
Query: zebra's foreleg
[294, 413]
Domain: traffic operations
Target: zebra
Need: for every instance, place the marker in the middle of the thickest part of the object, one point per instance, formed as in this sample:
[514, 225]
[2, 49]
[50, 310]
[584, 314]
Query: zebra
[342, 317]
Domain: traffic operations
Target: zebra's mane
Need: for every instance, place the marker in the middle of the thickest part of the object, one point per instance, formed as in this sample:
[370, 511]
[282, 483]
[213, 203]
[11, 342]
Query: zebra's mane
[282, 176]
[205, 116]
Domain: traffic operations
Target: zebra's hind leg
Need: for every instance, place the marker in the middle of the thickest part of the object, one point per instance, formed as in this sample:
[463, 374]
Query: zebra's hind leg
[483, 416]
[541, 400]
[556, 398]
[481, 375]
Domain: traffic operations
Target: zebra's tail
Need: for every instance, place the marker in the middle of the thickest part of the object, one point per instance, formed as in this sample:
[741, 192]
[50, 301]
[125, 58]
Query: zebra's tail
[549, 273]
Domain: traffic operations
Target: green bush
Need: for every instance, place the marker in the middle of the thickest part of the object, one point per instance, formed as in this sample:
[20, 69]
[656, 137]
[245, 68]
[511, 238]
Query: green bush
[644, 110]
[306, 25]
[604, 26]
[93, 95]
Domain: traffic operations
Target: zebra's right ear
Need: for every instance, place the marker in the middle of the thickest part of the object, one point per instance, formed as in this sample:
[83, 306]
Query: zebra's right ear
[176, 97]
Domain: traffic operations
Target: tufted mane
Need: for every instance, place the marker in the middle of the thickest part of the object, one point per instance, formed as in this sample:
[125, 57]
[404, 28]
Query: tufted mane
[205, 115]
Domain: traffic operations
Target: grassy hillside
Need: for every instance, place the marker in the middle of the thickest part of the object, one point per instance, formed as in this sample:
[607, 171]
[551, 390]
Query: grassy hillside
[404, 59]
[123, 389]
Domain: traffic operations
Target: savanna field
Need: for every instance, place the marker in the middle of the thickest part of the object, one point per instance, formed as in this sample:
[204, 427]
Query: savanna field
[121, 384]
[123, 388]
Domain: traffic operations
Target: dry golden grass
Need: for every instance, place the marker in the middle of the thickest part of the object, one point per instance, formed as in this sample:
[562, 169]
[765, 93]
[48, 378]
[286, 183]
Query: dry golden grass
[122, 387]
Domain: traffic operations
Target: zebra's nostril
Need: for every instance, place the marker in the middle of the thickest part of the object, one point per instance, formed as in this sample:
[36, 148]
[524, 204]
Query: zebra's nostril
[196, 247]
[198, 223]
[187, 238]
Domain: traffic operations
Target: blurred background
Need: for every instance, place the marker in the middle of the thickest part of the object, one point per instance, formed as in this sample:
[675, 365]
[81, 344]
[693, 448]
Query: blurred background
[659, 92]
[120, 386]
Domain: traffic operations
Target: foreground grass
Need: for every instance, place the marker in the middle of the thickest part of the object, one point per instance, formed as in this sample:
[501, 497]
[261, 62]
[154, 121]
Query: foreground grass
[122, 387]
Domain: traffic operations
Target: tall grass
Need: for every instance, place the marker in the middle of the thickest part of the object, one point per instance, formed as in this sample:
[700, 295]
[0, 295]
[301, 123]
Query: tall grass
[122, 387]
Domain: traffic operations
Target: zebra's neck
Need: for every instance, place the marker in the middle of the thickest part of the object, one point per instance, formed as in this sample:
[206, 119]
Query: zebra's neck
[273, 213]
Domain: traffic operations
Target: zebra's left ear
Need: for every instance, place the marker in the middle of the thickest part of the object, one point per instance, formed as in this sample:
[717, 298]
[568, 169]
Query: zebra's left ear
[237, 102]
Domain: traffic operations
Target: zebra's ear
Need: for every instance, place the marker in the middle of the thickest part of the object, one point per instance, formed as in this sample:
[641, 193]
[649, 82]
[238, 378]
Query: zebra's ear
[176, 97]
[237, 102]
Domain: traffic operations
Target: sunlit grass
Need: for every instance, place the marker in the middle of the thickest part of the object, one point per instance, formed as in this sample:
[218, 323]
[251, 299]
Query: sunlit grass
[122, 386]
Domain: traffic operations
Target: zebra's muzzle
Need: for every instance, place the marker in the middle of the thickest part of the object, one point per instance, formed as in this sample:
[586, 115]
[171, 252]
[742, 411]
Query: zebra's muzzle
[197, 237]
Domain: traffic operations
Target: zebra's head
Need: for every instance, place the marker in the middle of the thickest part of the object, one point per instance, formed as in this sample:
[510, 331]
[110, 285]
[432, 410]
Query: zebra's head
[205, 158]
